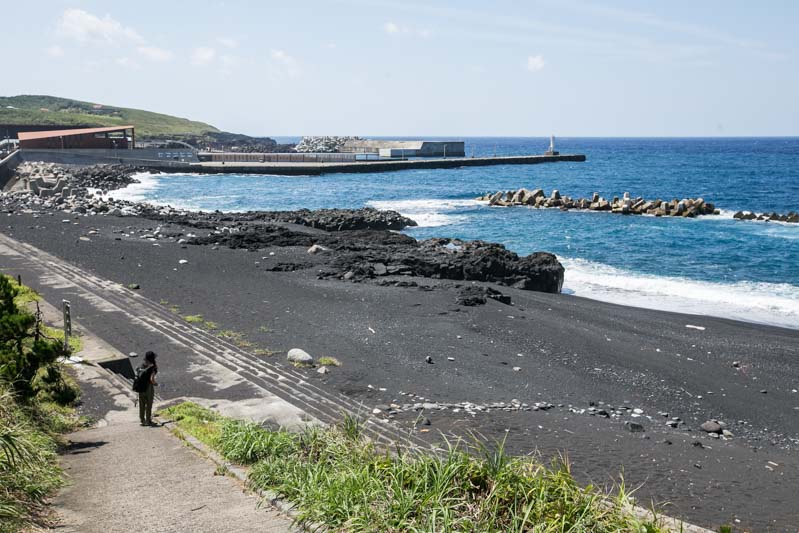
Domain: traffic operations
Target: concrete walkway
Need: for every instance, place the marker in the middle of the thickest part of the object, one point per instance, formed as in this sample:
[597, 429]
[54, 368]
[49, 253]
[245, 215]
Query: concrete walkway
[124, 477]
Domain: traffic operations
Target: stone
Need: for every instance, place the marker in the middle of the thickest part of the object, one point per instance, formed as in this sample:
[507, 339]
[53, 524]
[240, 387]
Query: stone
[711, 426]
[634, 427]
[322, 370]
[428, 360]
[316, 248]
[296, 355]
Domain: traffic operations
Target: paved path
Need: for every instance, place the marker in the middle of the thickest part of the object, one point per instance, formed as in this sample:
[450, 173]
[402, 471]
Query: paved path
[125, 477]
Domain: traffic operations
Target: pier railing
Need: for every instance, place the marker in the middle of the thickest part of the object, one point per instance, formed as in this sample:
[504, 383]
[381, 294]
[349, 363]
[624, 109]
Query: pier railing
[240, 157]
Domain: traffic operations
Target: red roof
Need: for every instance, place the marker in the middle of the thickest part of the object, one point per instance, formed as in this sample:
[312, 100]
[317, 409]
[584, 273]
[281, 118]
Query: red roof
[30, 135]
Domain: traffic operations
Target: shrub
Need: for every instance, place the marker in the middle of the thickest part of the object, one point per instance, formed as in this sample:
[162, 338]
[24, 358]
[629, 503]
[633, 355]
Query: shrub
[24, 348]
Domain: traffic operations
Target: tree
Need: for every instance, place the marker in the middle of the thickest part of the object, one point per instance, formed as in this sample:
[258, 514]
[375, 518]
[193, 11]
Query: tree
[24, 350]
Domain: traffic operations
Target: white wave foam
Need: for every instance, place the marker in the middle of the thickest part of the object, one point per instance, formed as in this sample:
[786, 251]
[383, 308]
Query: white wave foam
[137, 192]
[427, 212]
[765, 303]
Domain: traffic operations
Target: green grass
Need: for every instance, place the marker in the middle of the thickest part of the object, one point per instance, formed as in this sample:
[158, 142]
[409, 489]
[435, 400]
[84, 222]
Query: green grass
[264, 352]
[229, 334]
[329, 361]
[67, 112]
[264, 329]
[194, 319]
[29, 470]
[25, 294]
[75, 342]
[210, 325]
[338, 478]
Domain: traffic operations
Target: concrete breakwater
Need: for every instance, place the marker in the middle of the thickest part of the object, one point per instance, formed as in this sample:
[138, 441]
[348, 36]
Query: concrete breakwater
[687, 207]
[792, 217]
[180, 161]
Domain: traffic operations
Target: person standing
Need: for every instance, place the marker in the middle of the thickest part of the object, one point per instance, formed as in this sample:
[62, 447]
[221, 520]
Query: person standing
[145, 384]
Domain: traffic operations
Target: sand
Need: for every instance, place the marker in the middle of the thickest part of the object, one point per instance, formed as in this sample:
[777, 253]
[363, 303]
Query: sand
[569, 351]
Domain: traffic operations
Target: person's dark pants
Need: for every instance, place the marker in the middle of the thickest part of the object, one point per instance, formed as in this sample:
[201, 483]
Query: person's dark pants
[146, 405]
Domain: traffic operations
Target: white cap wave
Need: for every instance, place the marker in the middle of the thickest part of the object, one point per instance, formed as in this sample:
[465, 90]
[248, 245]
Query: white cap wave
[765, 303]
[427, 212]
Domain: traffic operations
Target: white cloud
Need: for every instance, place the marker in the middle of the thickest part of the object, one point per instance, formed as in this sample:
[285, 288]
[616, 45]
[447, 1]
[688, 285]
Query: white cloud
[393, 28]
[127, 62]
[227, 42]
[535, 63]
[86, 28]
[286, 62]
[154, 53]
[55, 51]
[203, 55]
[390, 27]
[330, 46]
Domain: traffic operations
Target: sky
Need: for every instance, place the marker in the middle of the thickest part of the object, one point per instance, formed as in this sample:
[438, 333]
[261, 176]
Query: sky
[421, 68]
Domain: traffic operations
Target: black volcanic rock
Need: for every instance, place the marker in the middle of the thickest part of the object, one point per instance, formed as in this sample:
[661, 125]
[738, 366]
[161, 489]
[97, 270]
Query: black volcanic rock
[453, 259]
[366, 218]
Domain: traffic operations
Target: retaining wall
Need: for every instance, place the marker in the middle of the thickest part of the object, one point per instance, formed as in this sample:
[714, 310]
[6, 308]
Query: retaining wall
[144, 157]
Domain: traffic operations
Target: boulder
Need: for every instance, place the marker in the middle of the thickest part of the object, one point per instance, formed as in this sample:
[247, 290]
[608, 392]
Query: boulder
[712, 426]
[634, 427]
[495, 198]
[315, 249]
[298, 356]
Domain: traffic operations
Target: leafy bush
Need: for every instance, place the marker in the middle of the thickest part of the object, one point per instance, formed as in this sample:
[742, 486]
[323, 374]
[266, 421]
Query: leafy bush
[24, 349]
[53, 385]
[29, 469]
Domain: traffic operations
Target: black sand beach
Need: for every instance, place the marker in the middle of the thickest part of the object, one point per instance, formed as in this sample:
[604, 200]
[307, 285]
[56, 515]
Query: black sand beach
[583, 357]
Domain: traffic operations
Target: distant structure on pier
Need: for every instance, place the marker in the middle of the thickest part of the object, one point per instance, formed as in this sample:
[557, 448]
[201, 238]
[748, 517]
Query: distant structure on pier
[551, 150]
[390, 148]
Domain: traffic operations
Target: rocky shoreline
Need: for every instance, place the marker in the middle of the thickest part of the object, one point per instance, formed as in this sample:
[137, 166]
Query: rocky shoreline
[353, 244]
[614, 387]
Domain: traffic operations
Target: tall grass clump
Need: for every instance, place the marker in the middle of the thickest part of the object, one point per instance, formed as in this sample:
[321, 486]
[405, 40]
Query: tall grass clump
[36, 395]
[337, 477]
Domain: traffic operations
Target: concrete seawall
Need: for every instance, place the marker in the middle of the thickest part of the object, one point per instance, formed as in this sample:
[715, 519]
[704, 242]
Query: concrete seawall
[315, 169]
[149, 158]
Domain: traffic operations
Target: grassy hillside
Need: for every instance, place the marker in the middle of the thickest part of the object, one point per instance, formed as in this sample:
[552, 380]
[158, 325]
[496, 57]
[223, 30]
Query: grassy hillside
[50, 110]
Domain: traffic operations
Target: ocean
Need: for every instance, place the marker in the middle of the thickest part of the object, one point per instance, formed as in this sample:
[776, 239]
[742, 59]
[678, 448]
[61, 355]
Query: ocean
[712, 265]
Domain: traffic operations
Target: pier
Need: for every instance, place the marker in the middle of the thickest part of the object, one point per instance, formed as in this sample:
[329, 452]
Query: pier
[276, 164]
[315, 169]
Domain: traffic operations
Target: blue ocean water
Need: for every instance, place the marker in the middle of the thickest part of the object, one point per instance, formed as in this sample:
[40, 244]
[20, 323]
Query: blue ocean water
[710, 265]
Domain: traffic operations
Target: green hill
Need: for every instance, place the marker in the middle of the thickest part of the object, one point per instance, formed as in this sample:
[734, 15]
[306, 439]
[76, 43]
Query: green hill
[30, 110]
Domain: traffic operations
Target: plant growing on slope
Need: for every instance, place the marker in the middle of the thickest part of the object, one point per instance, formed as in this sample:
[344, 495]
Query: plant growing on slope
[24, 347]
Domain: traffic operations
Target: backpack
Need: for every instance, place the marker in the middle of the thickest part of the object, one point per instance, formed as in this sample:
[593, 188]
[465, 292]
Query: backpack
[142, 379]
